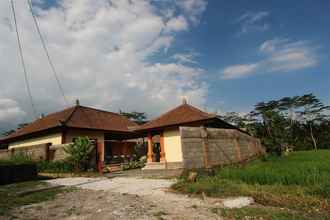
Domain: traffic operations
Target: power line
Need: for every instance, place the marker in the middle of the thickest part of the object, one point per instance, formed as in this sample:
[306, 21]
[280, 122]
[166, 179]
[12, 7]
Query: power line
[43, 42]
[22, 60]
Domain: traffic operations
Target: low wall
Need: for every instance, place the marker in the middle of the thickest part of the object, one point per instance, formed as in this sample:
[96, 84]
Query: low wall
[56, 152]
[17, 173]
[210, 147]
[5, 154]
[35, 152]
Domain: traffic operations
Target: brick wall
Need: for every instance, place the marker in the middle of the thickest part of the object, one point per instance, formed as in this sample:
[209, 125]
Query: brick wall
[209, 147]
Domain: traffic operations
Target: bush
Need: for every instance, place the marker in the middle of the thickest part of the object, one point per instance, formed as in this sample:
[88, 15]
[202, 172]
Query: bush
[17, 159]
[55, 167]
[79, 153]
[134, 164]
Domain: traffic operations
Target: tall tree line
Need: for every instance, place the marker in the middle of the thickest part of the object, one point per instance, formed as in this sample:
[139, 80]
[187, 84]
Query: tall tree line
[298, 122]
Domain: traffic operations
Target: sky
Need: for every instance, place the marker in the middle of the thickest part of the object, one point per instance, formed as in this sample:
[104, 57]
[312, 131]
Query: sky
[147, 55]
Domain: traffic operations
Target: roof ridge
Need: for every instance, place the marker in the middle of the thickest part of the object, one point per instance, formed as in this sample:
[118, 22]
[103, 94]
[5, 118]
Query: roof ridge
[174, 109]
[108, 112]
[70, 115]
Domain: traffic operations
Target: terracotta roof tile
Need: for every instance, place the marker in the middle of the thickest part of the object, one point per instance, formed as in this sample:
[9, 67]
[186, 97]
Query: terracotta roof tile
[182, 114]
[76, 117]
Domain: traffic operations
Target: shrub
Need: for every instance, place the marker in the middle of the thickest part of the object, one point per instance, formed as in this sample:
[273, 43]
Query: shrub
[17, 159]
[79, 152]
[54, 166]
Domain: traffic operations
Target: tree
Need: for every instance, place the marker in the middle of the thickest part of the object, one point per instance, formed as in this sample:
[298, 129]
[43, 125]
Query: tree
[79, 152]
[234, 118]
[313, 111]
[286, 121]
[138, 117]
[19, 126]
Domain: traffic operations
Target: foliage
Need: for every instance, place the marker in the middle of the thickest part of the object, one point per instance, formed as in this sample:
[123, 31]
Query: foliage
[138, 117]
[9, 132]
[299, 122]
[55, 167]
[79, 152]
[134, 164]
[300, 182]
[17, 158]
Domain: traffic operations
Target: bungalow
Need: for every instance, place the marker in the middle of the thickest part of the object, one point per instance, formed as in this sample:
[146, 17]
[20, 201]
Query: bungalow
[104, 128]
[115, 135]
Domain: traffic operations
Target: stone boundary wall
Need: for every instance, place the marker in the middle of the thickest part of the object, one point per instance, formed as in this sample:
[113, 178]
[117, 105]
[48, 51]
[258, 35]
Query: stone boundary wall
[5, 154]
[56, 152]
[210, 147]
[35, 152]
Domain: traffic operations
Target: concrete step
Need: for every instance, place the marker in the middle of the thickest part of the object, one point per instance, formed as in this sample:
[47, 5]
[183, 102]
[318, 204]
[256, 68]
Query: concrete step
[155, 166]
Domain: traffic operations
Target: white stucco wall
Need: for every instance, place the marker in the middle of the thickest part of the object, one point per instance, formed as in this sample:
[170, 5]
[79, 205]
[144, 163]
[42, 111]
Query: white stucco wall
[54, 139]
[172, 145]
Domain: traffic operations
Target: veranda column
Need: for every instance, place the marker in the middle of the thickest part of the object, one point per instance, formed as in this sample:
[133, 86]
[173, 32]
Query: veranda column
[162, 147]
[150, 148]
[100, 156]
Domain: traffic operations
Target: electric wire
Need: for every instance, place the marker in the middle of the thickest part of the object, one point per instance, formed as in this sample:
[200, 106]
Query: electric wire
[43, 42]
[22, 60]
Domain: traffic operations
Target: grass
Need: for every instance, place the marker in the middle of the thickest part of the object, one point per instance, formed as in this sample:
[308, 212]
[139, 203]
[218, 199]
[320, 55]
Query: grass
[9, 199]
[263, 213]
[299, 168]
[299, 182]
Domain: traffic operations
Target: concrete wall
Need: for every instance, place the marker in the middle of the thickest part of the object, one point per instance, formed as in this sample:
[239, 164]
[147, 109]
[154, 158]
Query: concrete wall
[215, 147]
[45, 139]
[172, 145]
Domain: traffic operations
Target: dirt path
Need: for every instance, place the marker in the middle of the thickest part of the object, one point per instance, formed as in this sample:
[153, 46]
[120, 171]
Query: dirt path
[119, 198]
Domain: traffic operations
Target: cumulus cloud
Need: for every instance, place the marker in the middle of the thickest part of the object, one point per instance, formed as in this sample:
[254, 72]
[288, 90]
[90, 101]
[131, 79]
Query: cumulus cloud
[177, 24]
[280, 55]
[104, 53]
[10, 112]
[253, 21]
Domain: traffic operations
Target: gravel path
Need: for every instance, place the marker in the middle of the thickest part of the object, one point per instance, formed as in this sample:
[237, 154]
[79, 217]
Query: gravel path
[120, 198]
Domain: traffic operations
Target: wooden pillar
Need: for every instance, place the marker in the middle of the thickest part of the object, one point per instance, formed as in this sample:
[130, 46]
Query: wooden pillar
[150, 148]
[162, 147]
[100, 155]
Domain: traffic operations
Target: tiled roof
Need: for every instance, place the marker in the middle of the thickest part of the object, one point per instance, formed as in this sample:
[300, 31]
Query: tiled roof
[77, 117]
[180, 115]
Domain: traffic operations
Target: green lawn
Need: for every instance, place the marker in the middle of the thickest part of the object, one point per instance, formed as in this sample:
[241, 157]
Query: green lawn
[299, 182]
[10, 200]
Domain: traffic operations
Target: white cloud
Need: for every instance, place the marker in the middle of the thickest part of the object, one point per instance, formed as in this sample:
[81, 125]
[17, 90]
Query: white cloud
[177, 24]
[237, 71]
[10, 111]
[189, 57]
[280, 55]
[253, 21]
[193, 9]
[102, 51]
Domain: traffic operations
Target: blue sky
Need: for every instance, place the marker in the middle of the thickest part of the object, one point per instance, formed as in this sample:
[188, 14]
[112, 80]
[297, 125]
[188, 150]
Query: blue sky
[146, 55]
[220, 42]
